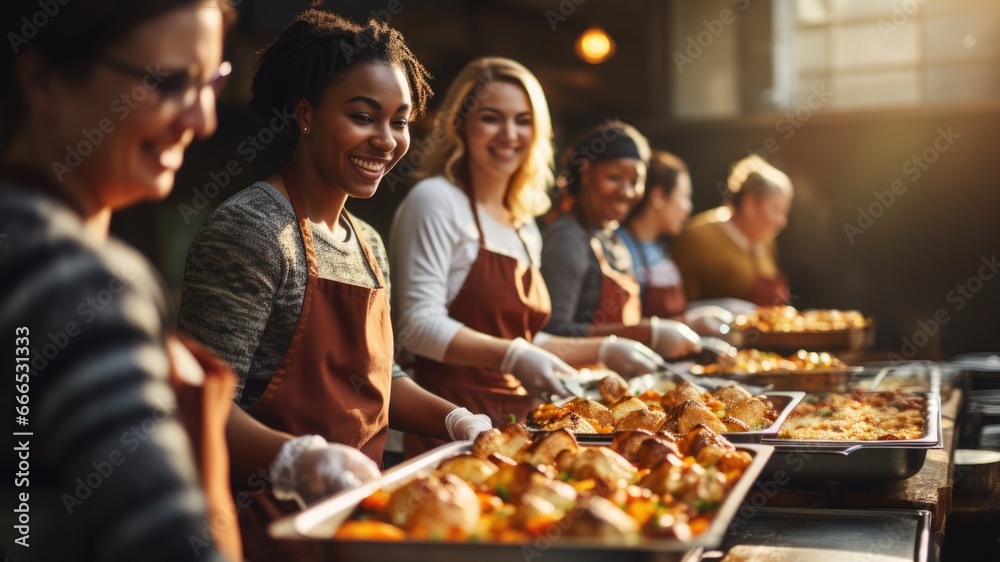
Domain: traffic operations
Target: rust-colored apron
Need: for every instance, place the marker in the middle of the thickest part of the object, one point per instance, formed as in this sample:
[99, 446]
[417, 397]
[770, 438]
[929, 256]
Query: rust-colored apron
[619, 302]
[502, 297]
[664, 302]
[333, 380]
[204, 412]
[768, 291]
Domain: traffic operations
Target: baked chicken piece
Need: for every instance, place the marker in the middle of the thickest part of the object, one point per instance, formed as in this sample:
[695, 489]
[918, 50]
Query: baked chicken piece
[705, 445]
[474, 470]
[603, 464]
[508, 441]
[512, 482]
[755, 411]
[730, 395]
[649, 420]
[545, 449]
[570, 421]
[735, 425]
[656, 450]
[689, 414]
[683, 392]
[591, 410]
[612, 388]
[627, 443]
[626, 405]
[597, 518]
[433, 507]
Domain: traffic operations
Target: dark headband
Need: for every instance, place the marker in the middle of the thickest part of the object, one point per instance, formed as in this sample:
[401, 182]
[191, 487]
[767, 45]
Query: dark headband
[608, 144]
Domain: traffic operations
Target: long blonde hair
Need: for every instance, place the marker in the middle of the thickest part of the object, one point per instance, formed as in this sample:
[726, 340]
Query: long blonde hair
[527, 195]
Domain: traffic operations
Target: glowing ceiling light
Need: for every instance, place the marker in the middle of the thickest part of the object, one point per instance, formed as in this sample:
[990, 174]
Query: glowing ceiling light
[595, 46]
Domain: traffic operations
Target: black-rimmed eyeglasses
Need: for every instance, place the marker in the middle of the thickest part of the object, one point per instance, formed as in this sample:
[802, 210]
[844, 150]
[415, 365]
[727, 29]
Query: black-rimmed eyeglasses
[178, 86]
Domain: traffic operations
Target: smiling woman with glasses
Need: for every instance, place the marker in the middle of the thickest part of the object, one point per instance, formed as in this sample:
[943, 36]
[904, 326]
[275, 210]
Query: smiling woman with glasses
[97, 405]
[114, 476]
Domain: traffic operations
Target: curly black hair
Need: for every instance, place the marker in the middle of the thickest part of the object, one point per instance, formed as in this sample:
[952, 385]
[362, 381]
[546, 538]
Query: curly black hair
[318, 47]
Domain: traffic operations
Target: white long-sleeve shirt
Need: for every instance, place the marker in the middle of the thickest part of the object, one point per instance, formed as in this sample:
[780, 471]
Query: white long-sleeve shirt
[432, 246]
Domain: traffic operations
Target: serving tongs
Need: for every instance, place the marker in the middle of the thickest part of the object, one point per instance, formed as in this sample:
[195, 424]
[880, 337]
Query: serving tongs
[715, 350]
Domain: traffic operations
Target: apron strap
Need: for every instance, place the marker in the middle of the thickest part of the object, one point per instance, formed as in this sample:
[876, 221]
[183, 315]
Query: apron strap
[479, 227]
[291, 180]
[369, 255]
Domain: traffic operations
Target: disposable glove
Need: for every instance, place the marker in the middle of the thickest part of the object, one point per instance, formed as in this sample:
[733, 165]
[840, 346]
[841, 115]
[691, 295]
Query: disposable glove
[308, 468]
[672, 339]
[464, 425]
[628, 358]
[538, 370]
[709, 320]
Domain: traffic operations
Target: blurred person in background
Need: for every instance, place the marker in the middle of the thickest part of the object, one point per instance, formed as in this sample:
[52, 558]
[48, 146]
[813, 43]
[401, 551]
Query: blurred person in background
[465, 253]
[660, 213]
[586, 265]
[729, 252]
[291, 289]
[113, 474]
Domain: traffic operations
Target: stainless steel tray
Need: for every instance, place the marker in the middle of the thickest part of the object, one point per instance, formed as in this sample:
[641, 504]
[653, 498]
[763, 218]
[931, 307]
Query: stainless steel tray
[812, 380]
[897, 535]
[856, 339]
[804, 459]
[917, 376]
[320, 521]
[784, 403]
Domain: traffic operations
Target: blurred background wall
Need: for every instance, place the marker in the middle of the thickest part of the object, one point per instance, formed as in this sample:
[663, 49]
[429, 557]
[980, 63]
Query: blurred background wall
[885, 114]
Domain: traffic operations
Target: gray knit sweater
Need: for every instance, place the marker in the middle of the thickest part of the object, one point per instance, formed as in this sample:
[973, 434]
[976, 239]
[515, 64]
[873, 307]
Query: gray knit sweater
[573, 275]
[245, 279]
[107, 472]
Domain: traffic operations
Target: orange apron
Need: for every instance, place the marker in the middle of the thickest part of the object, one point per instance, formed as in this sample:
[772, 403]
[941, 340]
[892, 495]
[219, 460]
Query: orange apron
[768, 291]
[662, 301]
[665, 302]
[502, 297]
[619, 302]
[204, 412]
[333, 381]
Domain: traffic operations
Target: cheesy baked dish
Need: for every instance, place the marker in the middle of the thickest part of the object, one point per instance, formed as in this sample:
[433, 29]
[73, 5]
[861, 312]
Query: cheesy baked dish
[858, 416]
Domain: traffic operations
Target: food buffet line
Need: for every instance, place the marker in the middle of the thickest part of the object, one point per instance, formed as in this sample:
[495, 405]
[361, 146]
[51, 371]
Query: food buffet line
[791, 448]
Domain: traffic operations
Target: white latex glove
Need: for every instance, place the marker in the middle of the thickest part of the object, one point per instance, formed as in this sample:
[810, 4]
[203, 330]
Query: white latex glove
[537, 369]
[626, 357]
[709, 320]
[308, 468]
[464, 425]
[673, 339]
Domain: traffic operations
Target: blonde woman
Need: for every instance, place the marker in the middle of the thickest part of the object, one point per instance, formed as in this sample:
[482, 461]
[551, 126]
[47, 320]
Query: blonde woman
[465, 252]
[729, 252]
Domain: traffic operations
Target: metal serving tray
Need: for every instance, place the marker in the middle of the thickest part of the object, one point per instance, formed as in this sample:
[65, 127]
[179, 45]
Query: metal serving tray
[320, 521]
[812, 380]
[784, 403]
[856, 339]
[848, 534]
[806, 459]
